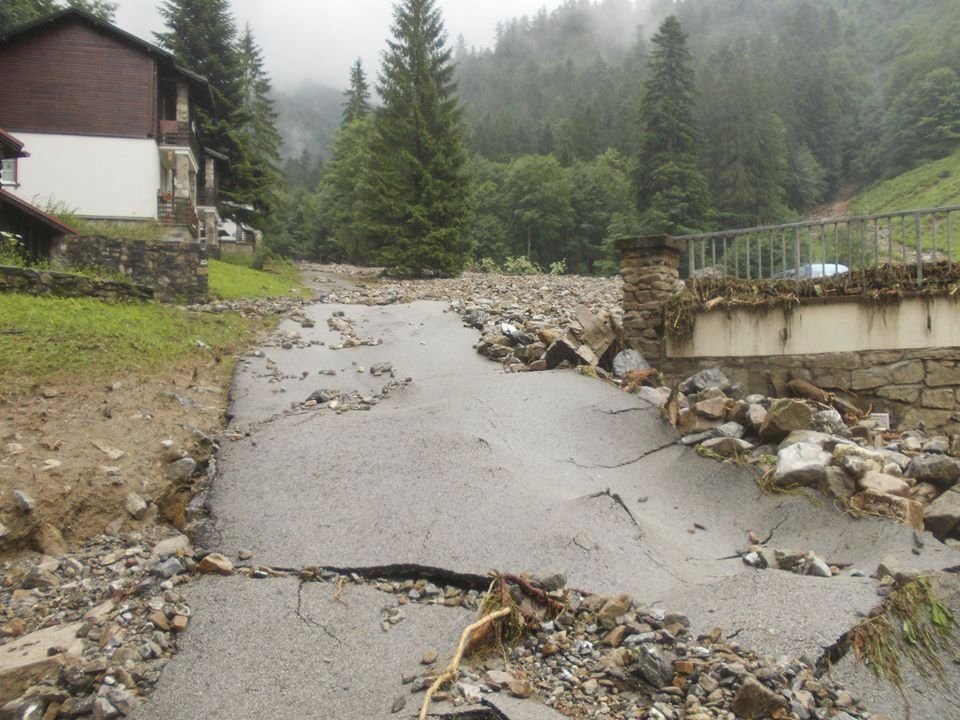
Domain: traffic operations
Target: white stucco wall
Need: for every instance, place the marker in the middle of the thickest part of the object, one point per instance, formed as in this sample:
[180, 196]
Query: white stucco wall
[823, 328]
[91, 176]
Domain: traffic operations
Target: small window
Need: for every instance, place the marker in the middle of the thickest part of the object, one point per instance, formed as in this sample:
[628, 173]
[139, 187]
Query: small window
[8, 173]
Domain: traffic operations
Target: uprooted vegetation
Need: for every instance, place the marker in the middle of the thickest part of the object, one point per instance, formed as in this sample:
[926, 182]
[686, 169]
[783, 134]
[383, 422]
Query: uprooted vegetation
[882, 284]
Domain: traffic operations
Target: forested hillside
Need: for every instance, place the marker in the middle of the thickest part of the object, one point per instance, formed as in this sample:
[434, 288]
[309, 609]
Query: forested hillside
[794, 103]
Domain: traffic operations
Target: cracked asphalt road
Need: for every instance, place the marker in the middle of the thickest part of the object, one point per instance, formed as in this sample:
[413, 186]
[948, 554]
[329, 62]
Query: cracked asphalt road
[469, 469]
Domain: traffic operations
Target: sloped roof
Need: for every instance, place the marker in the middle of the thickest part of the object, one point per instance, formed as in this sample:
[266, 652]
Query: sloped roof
[71, 13]
[8, 198]
[10, 147]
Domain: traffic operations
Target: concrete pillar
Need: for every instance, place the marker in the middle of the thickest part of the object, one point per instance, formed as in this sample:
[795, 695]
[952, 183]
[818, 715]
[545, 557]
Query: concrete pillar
[650, 267]
[183, 103]
[210, 175]
[210, 233]
[182, 176]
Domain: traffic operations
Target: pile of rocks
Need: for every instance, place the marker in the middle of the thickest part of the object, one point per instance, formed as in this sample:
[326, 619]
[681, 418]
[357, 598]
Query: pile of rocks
[338, 322]
[88, 633]
[909, 477]
[255, 307]
[555, 298]
[342, 401]
[527, 322]
[607, 657]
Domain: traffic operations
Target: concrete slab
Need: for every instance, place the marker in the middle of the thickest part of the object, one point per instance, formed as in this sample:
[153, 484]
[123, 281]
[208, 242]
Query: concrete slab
[278, 649]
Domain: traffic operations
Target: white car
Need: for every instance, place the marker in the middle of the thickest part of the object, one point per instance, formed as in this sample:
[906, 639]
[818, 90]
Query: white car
[814, 270]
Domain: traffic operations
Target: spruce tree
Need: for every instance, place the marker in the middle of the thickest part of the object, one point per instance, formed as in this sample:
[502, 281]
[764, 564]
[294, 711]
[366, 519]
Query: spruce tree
[419, 160]
[202, 36]
[258, 177]
[357, 104]
[672, 194]
[14, 13]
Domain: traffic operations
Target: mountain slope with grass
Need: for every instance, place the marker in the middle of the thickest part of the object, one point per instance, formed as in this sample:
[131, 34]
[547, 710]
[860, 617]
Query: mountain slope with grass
[934, 184]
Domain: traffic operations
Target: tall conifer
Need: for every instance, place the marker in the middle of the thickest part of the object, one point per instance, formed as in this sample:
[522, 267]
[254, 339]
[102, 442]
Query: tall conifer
[357, 104]
[259, 177]
[419, 160]
[202, 36]
[672, 194]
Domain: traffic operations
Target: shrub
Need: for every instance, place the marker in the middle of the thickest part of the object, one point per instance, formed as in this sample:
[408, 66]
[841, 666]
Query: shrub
[489, 265]
[10, 250]
[558, 267]
[520, 266]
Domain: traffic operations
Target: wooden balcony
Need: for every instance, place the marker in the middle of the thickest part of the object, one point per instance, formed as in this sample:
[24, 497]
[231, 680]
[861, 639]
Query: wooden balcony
[179, 134]
[177, 211]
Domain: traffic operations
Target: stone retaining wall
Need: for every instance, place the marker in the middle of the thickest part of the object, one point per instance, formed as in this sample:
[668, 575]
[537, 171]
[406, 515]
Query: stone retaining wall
[903, 359]
[43, 282]
[176, 271]
[911, 385]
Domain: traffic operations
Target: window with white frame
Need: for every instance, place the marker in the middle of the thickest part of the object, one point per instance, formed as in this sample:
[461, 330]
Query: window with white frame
[8, 173]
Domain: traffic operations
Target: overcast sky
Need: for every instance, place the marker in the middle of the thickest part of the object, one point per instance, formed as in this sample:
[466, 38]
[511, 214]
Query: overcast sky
[319, 39]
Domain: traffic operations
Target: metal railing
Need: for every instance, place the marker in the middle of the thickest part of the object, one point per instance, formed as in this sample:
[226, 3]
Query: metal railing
[177, 211]
[820, 248]
[208, 197]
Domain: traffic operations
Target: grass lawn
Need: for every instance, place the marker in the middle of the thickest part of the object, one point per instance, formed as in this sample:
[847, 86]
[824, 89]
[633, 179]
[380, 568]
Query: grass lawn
[47, 339]
[230, 280]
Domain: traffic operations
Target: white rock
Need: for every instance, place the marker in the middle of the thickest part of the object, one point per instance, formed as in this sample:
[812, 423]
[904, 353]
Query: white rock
[136, 506]
[801, 464]
[171, 546]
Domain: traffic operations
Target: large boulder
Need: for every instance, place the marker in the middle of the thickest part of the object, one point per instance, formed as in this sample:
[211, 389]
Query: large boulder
[858, 461]
[783, 417]
[942, 516]
[883, 483]
[801, 464]
[939, 470]
[903, 510]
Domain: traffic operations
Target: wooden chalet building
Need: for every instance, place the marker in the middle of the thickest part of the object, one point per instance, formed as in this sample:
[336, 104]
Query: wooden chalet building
[109, 120]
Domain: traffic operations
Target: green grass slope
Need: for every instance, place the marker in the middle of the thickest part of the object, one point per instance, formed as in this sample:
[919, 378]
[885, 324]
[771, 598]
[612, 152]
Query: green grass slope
[230, 280]
[935, 184]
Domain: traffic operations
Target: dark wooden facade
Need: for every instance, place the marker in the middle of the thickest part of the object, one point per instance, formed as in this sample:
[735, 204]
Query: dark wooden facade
[38, 230]
[71, 77]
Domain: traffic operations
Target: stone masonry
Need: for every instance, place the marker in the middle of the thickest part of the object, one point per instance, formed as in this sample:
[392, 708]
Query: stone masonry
[44, 282]
[176, 271]
[914, 386]
[650, 267]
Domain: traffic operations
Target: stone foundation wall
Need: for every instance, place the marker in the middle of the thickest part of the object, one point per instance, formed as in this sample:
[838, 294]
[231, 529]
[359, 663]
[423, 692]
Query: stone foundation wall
[176, 271]
[830, 342]
[911, 385]
[44, 282]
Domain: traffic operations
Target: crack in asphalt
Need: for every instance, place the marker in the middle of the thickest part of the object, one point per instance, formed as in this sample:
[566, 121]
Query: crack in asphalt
[576, 541]
[619, 501]
[625, 410]
[776, 527]
[647, 454]
[310, 621]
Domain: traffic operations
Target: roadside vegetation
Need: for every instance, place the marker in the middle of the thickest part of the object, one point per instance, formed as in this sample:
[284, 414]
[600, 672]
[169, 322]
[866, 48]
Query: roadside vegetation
[233, 277]
[48, 340]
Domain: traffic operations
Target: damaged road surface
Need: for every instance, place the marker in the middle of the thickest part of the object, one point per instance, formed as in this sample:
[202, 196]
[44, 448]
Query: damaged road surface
[440, 460]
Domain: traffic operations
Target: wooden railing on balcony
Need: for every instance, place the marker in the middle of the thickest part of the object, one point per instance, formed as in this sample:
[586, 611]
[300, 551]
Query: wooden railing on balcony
[177, 211]
[173, 132]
